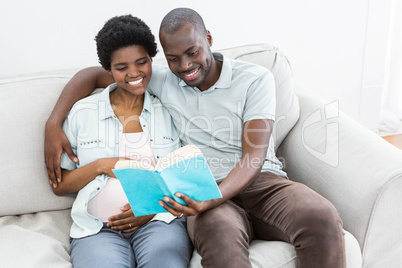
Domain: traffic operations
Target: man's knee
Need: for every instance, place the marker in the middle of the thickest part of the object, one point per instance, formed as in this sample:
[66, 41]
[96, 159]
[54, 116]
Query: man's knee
[224, 223]
[320, 219]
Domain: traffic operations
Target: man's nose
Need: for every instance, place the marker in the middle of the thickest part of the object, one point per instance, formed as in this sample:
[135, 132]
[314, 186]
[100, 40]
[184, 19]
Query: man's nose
[185, 64]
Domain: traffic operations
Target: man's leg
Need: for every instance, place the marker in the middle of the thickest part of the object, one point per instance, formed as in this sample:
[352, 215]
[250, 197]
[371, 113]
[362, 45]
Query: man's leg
[158, 244]
[284, 210]
[222, 236]
[105, 249]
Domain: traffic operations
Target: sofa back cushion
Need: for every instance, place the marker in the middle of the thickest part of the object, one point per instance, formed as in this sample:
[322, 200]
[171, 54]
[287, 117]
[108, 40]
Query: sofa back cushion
[25, 104]
[27, 101]
[287, 103]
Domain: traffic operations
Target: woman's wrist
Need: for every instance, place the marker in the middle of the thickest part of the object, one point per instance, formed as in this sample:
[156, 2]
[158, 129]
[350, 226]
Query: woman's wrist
[100, 166]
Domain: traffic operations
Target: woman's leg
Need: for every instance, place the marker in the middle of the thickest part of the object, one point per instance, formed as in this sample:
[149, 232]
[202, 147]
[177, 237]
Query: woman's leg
[106, 249]
[158, 244]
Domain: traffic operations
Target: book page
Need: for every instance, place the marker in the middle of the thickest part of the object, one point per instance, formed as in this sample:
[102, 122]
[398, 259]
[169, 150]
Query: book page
[183, 153]
[126, 163]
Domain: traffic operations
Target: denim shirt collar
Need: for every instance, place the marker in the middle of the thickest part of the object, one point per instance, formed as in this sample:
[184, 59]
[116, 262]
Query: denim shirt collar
[105, 98]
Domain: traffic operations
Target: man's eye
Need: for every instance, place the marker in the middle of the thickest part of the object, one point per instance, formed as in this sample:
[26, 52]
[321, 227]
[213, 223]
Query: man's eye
[121, 69]
[142, 62]
[194, 53]
[172, 59]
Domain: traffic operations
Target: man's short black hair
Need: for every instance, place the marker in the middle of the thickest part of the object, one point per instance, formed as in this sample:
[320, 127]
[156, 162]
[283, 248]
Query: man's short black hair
[178, 17]
[120, 32]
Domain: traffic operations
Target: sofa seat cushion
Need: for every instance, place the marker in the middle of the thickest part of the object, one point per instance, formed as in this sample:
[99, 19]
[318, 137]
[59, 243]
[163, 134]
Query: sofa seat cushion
[42, 240]
[36, 240]
[276, 254]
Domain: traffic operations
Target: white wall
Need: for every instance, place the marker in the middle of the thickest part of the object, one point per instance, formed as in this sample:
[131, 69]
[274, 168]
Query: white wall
[336, 48]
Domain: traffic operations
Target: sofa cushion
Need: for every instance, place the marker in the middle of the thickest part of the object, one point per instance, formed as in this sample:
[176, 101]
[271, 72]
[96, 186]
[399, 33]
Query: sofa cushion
[276, 254]
[25, 104]
[287, 103]
[42, 240]
[36, 240]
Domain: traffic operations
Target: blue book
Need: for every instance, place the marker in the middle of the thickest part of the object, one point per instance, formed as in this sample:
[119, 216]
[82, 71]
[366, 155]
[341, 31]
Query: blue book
[185, 170]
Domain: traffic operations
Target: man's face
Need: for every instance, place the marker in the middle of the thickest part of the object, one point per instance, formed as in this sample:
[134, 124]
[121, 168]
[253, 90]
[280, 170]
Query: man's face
[189, 56]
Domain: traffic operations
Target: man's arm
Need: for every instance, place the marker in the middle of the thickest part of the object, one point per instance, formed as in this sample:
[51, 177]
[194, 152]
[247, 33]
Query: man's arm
[255, 141]
[80, 86]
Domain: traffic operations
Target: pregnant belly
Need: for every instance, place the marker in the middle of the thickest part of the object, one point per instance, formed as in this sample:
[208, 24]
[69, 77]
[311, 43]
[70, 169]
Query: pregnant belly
[108, 201]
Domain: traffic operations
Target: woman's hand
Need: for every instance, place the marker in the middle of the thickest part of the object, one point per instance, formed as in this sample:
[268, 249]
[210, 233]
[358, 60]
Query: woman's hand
[107, 164]
[127, 221]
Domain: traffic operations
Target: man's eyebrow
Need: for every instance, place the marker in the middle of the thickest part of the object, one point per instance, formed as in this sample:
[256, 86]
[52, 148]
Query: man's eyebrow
[187, 50]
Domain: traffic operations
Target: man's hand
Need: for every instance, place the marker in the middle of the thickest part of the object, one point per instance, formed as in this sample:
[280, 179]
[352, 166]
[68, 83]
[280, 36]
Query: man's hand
[55, 143]
[193, 207]
[127, 221]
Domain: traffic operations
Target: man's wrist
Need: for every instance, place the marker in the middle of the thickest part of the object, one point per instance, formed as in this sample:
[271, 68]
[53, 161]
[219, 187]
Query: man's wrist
[52, 122]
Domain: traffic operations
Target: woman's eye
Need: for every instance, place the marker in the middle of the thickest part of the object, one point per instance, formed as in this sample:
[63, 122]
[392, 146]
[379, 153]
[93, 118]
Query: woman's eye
[142, 62]
[121, 69]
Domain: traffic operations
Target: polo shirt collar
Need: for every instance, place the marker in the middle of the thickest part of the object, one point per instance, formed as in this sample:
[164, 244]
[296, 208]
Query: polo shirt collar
[225, 78]
[105, 97]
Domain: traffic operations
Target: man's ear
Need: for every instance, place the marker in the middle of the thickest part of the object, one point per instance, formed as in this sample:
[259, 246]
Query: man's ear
[209, 38]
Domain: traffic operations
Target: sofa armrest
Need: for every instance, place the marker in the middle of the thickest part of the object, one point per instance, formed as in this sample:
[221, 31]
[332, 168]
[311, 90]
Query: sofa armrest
[359, 172]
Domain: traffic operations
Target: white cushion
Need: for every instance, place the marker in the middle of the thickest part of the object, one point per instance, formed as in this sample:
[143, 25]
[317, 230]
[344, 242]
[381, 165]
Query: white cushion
[36, 240]
[287, 103]
[25, 105]
[275, 254]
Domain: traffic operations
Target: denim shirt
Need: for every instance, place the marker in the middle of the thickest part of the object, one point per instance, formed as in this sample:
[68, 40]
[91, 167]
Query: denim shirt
[94, 132]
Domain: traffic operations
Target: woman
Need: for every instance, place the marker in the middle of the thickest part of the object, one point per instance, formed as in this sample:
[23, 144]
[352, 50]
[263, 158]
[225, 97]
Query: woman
[123, 121]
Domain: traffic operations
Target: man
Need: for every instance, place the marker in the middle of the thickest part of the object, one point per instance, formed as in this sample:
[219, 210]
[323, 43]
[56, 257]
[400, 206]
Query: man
[226, 108]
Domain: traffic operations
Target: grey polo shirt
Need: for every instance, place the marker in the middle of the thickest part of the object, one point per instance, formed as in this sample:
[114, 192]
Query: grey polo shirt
[213, 119]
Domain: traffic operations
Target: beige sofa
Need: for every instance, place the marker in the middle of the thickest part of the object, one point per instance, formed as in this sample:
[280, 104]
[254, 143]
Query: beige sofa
[319, 146]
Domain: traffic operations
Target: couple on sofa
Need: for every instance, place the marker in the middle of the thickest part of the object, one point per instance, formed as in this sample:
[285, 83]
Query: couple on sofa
[201, 93]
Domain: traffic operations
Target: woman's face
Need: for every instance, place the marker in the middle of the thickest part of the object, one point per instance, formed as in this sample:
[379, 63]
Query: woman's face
[131, 68]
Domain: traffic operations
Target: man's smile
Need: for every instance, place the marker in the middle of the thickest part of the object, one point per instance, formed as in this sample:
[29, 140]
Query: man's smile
[192, 75]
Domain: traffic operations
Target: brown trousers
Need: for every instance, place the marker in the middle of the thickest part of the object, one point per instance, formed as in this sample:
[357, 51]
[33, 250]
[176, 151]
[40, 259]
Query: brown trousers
[271, 208]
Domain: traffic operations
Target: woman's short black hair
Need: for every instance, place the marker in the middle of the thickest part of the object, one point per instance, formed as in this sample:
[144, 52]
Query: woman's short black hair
[123, 31]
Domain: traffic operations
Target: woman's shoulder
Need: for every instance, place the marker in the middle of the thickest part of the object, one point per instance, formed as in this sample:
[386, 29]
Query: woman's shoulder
[92, 102]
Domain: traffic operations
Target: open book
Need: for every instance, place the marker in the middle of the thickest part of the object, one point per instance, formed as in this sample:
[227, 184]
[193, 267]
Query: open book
[185, 170]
